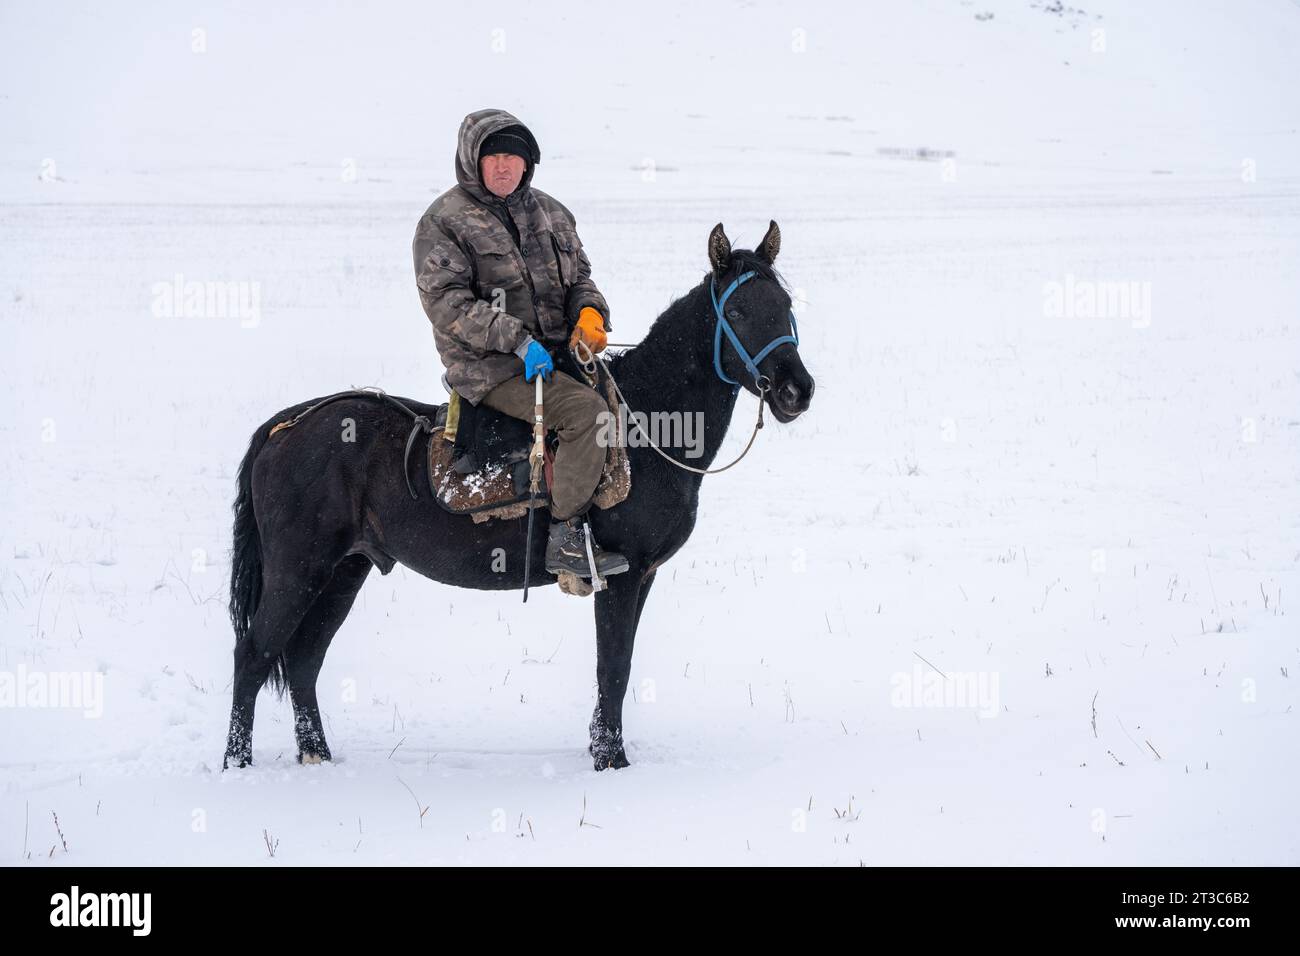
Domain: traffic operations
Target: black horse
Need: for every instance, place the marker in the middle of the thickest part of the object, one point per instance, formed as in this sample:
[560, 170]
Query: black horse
[318, 507]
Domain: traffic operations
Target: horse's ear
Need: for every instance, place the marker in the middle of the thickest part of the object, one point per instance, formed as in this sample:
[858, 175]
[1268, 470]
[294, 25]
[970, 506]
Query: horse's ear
[719, 249]
[771, 243]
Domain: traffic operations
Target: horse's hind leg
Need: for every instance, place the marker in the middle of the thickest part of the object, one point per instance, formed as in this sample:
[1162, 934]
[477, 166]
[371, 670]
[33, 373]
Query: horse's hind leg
[306, 652]
[288, 594]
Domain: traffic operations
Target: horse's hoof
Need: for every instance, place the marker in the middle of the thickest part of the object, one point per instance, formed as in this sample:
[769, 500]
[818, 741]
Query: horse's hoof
[606, 746]
[312, 759]
[615, 761]
[240, 762]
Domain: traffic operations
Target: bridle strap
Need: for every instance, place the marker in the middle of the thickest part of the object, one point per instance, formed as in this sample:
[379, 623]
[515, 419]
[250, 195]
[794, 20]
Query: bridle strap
[723, 326]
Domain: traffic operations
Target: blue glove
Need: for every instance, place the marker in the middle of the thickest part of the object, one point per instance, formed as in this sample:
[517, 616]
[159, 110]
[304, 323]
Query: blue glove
[536, 360]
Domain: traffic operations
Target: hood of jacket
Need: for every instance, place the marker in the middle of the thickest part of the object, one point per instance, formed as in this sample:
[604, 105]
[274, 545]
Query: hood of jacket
[475, 128]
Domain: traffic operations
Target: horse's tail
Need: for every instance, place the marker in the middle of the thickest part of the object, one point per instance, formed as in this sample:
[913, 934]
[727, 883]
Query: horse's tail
[246, 554]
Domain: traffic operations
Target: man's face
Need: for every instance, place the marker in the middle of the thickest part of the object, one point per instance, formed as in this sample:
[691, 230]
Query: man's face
[502, 172]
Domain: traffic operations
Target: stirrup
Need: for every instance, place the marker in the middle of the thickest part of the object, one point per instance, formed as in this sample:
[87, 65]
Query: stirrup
[597, 582]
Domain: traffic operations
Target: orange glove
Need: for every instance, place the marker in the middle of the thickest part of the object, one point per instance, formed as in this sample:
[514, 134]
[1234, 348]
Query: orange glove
[590, 329]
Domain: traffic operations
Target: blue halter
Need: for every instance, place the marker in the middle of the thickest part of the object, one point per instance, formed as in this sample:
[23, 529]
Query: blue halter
[724, 326]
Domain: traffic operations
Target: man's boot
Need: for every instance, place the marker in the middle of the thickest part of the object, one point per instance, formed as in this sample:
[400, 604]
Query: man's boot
[566, 550]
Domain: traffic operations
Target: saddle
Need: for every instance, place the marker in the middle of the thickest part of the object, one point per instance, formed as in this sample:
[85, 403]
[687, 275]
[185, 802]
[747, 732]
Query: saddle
[478, 460]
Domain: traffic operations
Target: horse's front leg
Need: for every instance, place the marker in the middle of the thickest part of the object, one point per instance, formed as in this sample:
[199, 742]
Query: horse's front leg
[618, 609]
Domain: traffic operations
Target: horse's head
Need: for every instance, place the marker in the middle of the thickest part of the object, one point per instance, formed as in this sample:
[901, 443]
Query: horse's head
[755, 342]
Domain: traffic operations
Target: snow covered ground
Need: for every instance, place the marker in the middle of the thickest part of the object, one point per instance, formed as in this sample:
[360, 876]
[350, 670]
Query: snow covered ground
[1084, 515]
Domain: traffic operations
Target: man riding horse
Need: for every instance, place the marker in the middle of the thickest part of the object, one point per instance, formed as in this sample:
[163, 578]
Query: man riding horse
[504, 280]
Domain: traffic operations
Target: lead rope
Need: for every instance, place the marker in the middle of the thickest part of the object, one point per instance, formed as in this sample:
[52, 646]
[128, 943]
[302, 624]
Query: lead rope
[590, 362]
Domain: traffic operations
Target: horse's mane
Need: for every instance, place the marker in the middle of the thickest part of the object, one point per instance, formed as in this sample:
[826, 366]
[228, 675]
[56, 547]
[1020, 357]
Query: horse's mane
[746, 259]
[741, 260]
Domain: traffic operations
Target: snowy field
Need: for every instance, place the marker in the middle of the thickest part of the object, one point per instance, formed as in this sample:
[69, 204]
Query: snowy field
[1080, 509]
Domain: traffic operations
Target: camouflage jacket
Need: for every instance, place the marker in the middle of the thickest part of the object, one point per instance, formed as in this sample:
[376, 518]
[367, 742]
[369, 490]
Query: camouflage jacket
[483, 293]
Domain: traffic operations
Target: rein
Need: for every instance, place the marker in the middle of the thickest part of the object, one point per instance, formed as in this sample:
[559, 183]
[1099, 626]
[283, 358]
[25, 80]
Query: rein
[590, 362]
[761, 381]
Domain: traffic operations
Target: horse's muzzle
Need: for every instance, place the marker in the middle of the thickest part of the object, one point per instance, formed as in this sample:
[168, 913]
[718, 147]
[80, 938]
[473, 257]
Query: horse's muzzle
[792, 397]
